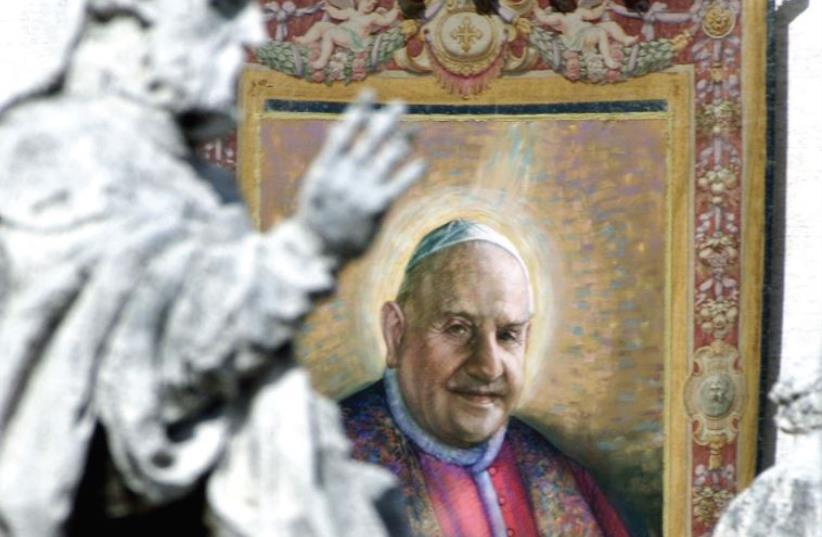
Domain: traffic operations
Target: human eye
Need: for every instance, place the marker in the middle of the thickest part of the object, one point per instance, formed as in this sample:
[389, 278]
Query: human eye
[510, 335]
[458, 330]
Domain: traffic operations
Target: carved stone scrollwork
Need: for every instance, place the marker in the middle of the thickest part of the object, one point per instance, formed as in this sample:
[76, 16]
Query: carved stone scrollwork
[715, 396]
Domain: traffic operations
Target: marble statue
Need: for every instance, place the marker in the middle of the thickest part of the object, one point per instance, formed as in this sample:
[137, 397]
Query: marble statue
[144, 325]
[786, 499]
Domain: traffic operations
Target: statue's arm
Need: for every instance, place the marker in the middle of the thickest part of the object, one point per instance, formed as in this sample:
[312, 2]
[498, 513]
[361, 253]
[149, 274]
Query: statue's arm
[594, 13]
[272, 279]
[546, 16]
[224, 302]
[388, 18]
[625, 12]
[339, 14]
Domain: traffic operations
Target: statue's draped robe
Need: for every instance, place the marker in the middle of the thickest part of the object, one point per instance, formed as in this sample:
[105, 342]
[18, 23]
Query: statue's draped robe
[133, 296]
[520, 485]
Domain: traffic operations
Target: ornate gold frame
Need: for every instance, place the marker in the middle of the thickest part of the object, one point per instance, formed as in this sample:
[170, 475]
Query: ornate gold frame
[675, 87]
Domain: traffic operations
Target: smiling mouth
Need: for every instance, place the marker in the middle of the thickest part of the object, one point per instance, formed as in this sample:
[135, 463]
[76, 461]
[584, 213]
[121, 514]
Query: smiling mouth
[478, 398]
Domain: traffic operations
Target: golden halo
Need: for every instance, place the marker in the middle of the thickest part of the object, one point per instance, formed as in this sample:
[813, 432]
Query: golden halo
[411, 221]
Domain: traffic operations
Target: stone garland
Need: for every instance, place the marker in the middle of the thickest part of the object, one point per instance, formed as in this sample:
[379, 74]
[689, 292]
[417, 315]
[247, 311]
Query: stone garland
[344, 65]
[636, 60]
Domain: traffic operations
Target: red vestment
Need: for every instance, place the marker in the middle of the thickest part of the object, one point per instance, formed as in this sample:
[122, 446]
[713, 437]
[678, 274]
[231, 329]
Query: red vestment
[539, 491]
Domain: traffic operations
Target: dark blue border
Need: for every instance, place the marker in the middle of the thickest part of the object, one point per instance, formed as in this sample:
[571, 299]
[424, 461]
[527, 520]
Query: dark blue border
[773, 282]
[604, 107]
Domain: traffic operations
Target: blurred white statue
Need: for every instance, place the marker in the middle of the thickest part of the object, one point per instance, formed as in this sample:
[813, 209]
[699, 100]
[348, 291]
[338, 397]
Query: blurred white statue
[144, 325]
[786, 499]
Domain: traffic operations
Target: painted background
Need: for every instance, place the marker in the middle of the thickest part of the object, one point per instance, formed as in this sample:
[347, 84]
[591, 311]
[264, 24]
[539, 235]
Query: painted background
[584, 200]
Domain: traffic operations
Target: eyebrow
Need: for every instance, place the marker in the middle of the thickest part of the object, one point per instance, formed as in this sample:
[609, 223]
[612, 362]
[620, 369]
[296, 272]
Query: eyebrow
[451, 313]
[467, 315]
[519, 323]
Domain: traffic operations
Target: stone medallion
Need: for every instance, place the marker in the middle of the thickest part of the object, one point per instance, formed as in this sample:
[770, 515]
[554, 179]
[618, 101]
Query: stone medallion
[714, 397]
[719, 21]
[464, 42]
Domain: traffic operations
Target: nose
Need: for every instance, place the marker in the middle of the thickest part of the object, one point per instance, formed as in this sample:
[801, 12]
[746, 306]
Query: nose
[485, 363]
[251, 25]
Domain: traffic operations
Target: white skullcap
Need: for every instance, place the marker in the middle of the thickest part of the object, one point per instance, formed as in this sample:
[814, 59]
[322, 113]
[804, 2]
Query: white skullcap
[457, 232]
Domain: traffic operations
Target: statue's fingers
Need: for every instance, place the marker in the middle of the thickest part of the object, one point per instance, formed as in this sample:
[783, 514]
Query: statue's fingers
[342, 135]
[388, 157]
[404, 178]
[380, 126]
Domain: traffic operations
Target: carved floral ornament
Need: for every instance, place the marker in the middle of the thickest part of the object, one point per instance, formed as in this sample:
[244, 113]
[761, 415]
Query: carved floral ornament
[465, 50]
[712, 491]
[714, 397]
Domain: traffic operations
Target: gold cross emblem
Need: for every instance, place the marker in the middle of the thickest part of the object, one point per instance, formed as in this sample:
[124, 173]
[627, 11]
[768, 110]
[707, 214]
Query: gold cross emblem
[466, 33]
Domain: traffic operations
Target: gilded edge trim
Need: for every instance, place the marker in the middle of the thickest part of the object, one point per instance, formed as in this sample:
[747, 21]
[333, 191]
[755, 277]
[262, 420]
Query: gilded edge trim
[754, 140]
[679, 321]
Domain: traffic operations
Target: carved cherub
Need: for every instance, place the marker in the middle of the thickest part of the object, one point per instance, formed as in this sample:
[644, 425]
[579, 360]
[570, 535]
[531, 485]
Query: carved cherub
[578, 31]
[283, 12]
[357, 24]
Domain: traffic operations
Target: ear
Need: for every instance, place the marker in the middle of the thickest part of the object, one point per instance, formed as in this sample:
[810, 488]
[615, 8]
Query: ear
[393, 328]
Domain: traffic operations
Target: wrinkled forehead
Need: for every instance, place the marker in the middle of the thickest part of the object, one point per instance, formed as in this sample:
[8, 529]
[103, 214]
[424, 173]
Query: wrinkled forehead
[456, 271]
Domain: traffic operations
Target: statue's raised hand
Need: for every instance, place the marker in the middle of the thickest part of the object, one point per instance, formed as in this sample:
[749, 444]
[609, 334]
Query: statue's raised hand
[357, 175]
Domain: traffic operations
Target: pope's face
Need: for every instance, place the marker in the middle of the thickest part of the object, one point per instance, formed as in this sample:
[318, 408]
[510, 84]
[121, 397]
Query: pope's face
[459, 355]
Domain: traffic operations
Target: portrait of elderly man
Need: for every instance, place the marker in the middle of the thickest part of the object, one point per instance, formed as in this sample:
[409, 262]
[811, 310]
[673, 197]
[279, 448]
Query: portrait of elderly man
[440, 419]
